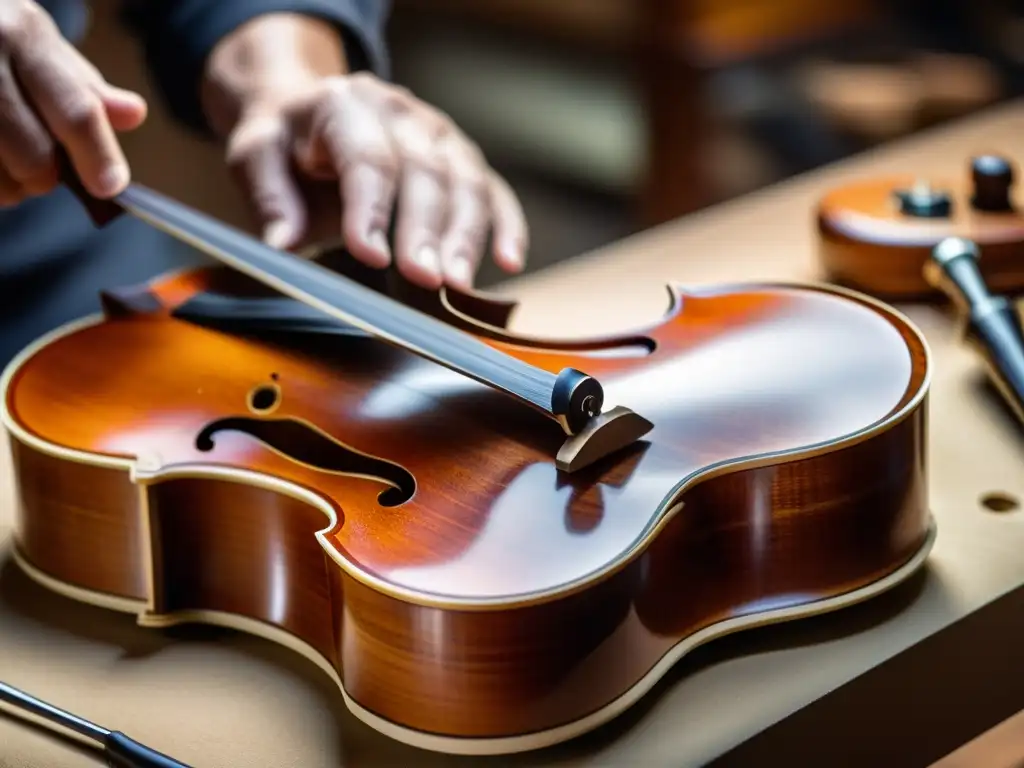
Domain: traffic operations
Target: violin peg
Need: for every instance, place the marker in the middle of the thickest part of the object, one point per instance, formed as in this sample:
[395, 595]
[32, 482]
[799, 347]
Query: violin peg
[924, 201]
[992, 176]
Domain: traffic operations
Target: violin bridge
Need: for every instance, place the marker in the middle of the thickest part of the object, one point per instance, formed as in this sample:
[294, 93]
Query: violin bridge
[605, 434]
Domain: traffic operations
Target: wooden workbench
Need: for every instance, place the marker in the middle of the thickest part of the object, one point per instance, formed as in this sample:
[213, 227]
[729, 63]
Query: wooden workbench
[217, 699]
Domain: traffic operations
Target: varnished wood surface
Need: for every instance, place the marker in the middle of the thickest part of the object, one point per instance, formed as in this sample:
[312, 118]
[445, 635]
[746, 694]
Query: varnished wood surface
[576, 570]
[217, 698]
[867, 243]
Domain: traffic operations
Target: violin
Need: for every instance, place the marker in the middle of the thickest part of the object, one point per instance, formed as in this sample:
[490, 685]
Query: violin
[876, 235]
[491, 543]
[993, 325]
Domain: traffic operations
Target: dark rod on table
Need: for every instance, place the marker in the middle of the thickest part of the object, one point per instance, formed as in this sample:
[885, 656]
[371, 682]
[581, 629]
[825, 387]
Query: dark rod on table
[119, 750]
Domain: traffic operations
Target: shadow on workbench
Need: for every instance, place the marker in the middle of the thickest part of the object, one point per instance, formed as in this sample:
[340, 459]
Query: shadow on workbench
[915, 708]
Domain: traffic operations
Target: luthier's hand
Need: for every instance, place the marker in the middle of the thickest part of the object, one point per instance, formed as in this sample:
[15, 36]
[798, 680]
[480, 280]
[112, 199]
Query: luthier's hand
[48, 93]
[278, 92]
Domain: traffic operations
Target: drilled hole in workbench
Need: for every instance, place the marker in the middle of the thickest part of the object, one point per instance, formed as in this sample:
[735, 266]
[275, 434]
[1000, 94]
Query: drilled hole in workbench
[999, 502]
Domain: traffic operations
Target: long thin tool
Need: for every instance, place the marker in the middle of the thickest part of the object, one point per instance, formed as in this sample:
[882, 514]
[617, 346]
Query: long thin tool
[990, 323]
[119, 750]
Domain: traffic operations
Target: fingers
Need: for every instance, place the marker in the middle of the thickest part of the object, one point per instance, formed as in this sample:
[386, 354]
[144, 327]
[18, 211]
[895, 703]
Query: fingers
[57, 84]
[469, 214]
[511, 235]
[390, 151]
[125, 109]
[450, 200]
[422, 202]
[75, 116]
[26, 149]
[362, 156]
[258, 154]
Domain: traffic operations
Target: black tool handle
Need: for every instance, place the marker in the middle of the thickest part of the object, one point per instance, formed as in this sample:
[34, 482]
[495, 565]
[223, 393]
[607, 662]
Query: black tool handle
[123, 752]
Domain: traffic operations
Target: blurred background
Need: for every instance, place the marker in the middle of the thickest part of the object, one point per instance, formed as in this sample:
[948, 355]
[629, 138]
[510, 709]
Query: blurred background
[611, 116]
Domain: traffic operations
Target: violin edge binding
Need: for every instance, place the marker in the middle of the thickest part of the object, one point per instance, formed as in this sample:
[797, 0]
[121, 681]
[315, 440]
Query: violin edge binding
[519, 742]
[483, 746]
[144, 470]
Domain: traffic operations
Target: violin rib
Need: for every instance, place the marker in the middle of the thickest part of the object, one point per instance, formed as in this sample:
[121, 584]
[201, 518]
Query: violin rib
[408, 530]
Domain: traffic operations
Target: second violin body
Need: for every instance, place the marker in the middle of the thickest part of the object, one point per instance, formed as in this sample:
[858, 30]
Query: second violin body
[876, 235]
[205, 452]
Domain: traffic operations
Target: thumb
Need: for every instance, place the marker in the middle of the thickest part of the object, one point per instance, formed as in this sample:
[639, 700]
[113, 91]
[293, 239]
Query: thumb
[258, 155]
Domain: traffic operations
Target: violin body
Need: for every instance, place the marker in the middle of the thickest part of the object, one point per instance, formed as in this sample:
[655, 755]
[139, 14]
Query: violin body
[406, 528]
[874, 237]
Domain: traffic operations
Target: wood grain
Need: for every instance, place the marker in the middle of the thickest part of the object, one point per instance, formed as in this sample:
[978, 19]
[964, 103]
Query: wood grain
[867, 243]
[501, 599]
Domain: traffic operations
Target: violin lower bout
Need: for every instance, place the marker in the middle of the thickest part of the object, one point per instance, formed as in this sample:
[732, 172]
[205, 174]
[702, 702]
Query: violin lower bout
[748, 547]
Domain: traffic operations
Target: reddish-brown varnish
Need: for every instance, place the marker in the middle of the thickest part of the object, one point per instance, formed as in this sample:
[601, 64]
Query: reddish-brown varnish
[867, 243]
[498, 597]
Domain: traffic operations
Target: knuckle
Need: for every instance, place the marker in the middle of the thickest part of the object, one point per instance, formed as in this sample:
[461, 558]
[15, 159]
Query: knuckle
[81, 113]
[339, 88]
[470, 154]
[470, 177]
[378, 157]
[469, 237]
[440, 121]
[430, 166]
[362, 80]
[21, 23]
[268, 202]
[380, 212]
[251, 137]
[397, 99]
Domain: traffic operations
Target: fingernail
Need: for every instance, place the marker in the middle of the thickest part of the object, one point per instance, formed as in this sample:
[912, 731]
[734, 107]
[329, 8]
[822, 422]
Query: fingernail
[113, 180]
[428, 259]
[379, 242]
[460, 271]
[513, 255]
[277, 234]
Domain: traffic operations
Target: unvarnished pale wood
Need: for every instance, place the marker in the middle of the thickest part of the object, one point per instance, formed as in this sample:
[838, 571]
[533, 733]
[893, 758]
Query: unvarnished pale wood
[586, 585]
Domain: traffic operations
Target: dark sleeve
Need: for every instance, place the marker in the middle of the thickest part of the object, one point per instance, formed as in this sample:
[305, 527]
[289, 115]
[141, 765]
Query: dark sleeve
[178, 36]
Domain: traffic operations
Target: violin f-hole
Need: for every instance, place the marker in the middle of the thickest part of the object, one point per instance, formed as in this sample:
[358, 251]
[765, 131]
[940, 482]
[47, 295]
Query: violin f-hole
[304, 444]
